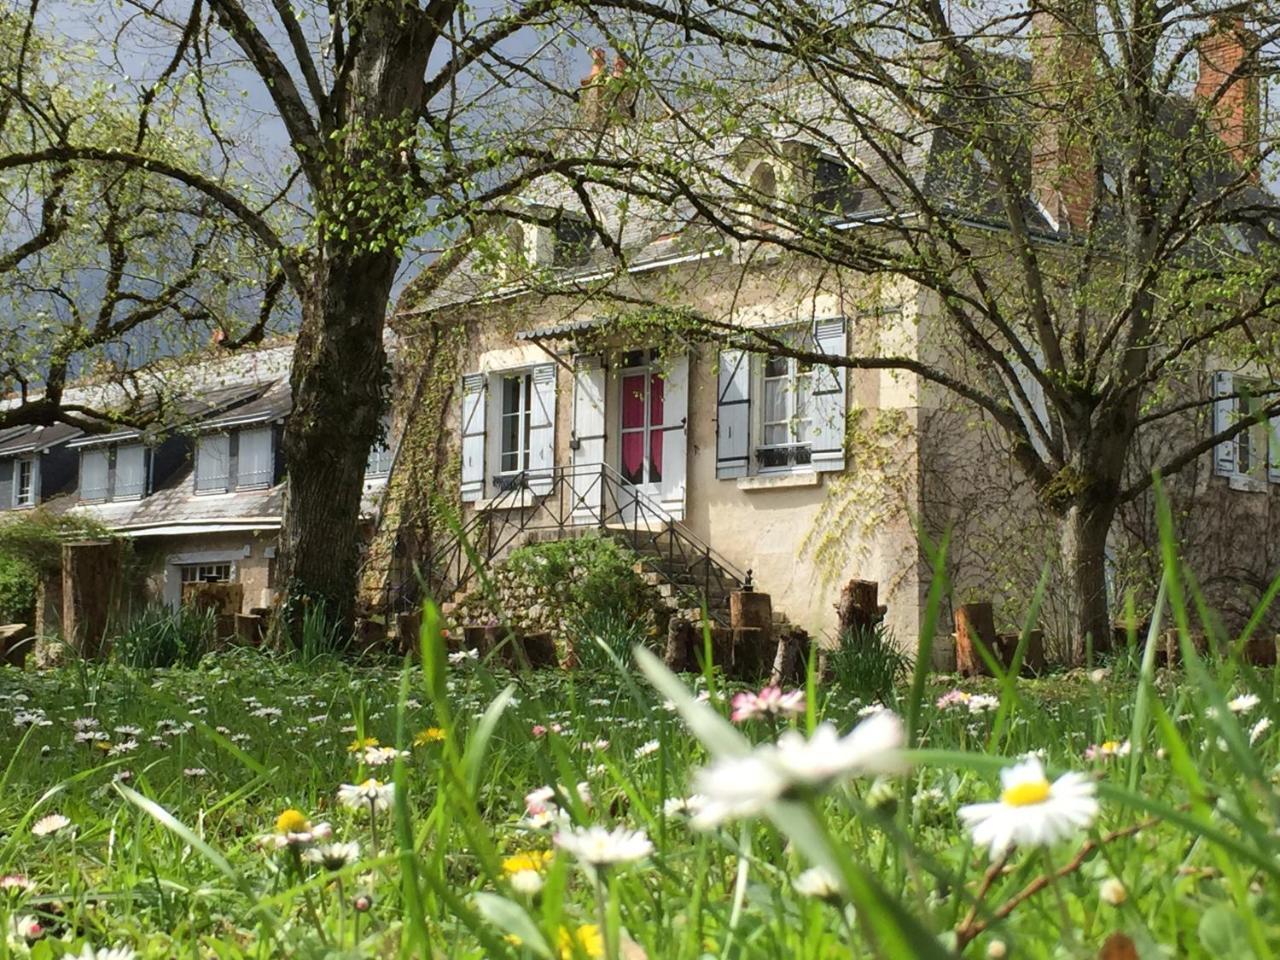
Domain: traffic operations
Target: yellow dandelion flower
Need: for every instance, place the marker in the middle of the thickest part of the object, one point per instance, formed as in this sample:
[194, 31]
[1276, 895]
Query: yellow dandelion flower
[428, 736]
[361, 743]
[292, 821]
[535, 860]
[103, 745]
[586, 941]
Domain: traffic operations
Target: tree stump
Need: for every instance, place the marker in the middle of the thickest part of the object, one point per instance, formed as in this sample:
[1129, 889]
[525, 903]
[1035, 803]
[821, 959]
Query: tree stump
[408, 632]
[752, 653]
[15, 642]
[974, 622]
[750, 609]
[859, 608]
[91, 587]
[678, 655]
[789, 660]
[249, 629]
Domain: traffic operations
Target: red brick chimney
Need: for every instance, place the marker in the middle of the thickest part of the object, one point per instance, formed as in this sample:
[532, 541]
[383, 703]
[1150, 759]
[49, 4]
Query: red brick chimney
[591, 100]
[1228, 86]
[1063, 35]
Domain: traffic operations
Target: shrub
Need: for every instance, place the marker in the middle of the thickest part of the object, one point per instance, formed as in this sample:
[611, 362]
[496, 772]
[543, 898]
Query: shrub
[162, 637]
[18, 582]
[868, 663]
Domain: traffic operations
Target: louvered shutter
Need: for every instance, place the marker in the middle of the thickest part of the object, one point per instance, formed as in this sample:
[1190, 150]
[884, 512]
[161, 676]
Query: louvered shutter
[587, 450]
[93, 473]
[733, 415]
[473, 423]
[1224, 409]
[255, 465]
[7, 469]
[675, 415]
[131, 471]
[542, 429]
[829, 398]
[1273, 449]
[213, 463]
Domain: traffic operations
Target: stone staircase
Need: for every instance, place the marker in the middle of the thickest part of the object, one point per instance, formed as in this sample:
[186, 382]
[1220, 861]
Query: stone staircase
[685, 580]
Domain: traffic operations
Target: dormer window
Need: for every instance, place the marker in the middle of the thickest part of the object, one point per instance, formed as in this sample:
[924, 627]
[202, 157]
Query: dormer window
[114, 472]
[834, 190]
[243, 459]
[572, 240]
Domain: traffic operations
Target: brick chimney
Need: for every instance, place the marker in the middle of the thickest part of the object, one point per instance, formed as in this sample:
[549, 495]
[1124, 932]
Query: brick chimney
[1063, 34]
[607, 98]
[1228, 86]
[591, 100]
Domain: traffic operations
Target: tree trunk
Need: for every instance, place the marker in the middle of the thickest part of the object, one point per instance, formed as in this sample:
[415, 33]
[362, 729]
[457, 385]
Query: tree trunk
[1084, 563]
[339, 369]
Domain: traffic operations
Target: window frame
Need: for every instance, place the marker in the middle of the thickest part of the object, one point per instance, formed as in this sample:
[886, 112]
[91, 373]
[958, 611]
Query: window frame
[32, 462]
[229, 480]
[379, 454]
[523, 415]
[214, 565]
[235, 478]
[105, 452]
[793, 456]
[1254, 442]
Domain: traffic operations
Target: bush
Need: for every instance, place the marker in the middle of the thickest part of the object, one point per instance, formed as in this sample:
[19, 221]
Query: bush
[18, 582]
[868, 663]
[587, 573]
[163, 637]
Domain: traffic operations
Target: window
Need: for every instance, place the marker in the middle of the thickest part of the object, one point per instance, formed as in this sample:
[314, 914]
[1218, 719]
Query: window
[1252, 456]
[205, 572]
[131, 471]
[95, 473]
[786, 416]
[572, 240]
[256, 463]
[379, 464]
[24, 482]
[213, 463]
[833, 187]
[1251, 444]
[516, 423]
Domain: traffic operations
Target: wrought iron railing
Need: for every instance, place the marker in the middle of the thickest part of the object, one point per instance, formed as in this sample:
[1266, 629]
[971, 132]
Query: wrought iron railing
[563, 502]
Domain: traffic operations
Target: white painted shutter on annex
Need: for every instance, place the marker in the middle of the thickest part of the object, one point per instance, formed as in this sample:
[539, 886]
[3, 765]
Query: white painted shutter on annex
[586, 453]
[542, 429]
[829, 398]
[675, 414]
[473, 423]
[131, 470]
[213, 463]
[733, 415]
[1224, 409]
[93, 474]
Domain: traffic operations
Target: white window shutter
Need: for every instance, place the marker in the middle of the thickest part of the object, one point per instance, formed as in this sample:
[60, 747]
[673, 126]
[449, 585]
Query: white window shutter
[473, 422]
[733, 415]
[675, 414]
[213, 463]
[586, 451]
[1273, 449]
[93, 474]
[1224, 409]
[829, 397]
[131, 470]
[542, 429]
[256, 461]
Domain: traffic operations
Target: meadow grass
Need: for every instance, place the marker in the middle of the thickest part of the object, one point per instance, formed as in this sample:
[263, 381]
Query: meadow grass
[172, 784]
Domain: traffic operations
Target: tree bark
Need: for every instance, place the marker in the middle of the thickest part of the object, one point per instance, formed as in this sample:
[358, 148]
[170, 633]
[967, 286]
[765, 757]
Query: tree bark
[1084, 563]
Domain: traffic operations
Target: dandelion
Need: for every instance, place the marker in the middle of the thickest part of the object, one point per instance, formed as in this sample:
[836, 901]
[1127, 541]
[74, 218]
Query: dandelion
[598, 847]
[532, 860]
[769, 702]
[586, 940]
[362, 743]
[46, 826]
[1107, 750]
[373, 794]
[334, 856]
[1243, 703]
[1031, 812]
[819, 883]
[428, 736]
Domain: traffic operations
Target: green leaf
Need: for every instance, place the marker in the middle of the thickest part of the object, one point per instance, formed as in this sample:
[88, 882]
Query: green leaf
[1222, 934]
[511, 918]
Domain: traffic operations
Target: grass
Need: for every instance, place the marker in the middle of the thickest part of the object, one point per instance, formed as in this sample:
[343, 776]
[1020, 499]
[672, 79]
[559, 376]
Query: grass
[163, 852]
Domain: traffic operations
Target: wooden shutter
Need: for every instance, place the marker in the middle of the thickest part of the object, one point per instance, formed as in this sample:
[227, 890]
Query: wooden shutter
[675, 414]
[473, 423]
[542, 429]
[586, 451]
[829, 398]
[733, 415]
[1224, 410]
[93, 474]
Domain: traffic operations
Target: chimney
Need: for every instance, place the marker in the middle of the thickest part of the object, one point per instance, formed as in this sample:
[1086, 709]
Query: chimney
[591, 100]
[1063, 35]
[607, 98]
[1228, 87]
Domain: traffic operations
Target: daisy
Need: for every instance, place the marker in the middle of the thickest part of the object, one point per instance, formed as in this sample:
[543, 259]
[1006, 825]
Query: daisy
[872, 748]
[735, 787]
[769, 702]
[105, 953]
[1243, 703]
[527, 883]
[1031, 812]
[293, 829]
[817, 882]
[683, 806]
[1107, 750]
[1259, 728]
[598, 847]
[952, 698]
[646, 748]
[377, 756]
[24, 929]
[334, 856]
[983, 702]
[372, 794]
[49, 825]
[16, 881]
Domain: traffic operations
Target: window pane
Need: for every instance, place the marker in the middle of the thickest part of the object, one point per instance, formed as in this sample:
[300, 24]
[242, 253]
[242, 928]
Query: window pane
[379, 464]
[775, 401]
[775, 435]
[93, 474]
[131, 470]
[511, 394]
[633, 456]
[657, 393]
[213, 462]
[776, 366]
[256, 465]
[24, 492]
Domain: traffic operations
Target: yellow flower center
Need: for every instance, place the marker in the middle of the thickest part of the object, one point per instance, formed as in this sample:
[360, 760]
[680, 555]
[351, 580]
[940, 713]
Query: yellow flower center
[535, 860]
[428, 736]
[1111, 746]
[587, 939]
[1026, 794]
[361, 744]
[292, 821]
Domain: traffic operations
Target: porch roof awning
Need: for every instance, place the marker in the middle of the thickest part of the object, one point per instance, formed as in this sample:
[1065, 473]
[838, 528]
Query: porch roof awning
[560, 330]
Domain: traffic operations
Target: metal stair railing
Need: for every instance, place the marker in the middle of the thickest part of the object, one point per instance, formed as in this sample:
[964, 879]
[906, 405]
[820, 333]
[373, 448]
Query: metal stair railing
[566, 500]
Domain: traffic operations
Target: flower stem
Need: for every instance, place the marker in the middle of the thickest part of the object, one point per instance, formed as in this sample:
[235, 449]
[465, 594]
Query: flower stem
[602, 913]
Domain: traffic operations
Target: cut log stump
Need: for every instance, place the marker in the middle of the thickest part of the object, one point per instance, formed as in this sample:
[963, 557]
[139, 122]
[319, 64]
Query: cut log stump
[974, 621]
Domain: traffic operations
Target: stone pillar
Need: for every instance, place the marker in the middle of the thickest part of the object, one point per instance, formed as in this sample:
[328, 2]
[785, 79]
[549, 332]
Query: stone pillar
[91, 584]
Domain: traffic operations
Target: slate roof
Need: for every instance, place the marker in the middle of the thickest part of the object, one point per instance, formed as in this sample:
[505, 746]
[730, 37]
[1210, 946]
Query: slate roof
[27, 439]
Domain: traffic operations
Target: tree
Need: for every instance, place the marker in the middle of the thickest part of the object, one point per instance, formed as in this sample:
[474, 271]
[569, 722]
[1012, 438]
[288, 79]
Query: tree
[1086, 212]
[379, 107]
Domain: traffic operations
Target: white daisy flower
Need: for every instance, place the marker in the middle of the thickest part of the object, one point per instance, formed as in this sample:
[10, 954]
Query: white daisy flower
[599, 847]
[817, 882]
[646, 748]
[736, 787]
[1032, 812]
[49, 825]
[683, 806]
[874, 747]
[105, 953]
[377, 756]
[372, 794]
[1243, 703]
[527, 883]
[1258, 729]
[334, 856]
